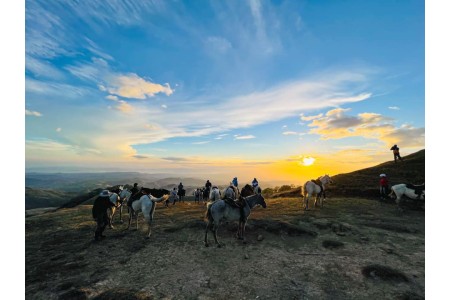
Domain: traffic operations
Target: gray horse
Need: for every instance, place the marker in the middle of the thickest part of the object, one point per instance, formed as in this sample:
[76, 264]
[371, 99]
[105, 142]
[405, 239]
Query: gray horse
[222, 210]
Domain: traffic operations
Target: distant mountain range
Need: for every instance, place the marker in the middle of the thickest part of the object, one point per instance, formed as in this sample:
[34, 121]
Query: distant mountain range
[57, 189]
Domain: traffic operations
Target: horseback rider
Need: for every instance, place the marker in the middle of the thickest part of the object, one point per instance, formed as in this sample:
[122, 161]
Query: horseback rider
[255, 185]
[234, 183]
[99, 213]
[383, 186]
[396, 151]
[134, 193]
[208, 185]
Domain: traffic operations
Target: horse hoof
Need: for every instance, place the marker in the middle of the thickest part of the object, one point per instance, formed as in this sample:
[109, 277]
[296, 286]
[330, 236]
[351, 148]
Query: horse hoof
[219, 246]
[244, 242]
[147, 237]
[206, 245]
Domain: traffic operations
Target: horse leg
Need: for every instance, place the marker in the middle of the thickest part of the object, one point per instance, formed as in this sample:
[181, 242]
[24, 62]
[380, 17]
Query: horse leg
[398, 201]
[239, 232]
[243, 231]
[149, 231]
[130, 216]
[110, 218]
[305, 201]
[216, 226]
[208, 225]
[136, 215]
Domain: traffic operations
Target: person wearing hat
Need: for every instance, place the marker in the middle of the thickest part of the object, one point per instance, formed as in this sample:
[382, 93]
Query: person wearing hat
[383, 186]
[255, 185]
[99, 213]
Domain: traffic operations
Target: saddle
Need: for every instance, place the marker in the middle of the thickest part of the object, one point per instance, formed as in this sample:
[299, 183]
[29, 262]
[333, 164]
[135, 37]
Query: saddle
[418, 189]
[235, 203]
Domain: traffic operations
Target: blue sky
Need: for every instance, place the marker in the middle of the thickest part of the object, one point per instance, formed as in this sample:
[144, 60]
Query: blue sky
[223, 87]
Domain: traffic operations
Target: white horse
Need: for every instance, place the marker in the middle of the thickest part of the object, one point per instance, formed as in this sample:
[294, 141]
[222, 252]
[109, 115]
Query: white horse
[215, 194]
[222, 210]
[114, 198]
[415, 192]
[147, 205]
[310, 188]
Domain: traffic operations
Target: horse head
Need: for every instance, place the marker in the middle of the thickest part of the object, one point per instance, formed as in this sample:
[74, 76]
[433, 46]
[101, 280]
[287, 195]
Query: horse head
[260, 200]
[256, 199]
[326, 179]
[247, 190]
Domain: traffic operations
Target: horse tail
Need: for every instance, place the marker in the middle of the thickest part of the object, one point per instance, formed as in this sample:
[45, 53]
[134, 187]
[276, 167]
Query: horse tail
[392, 193]
[152, 210]
[304, 191]
[208, 216]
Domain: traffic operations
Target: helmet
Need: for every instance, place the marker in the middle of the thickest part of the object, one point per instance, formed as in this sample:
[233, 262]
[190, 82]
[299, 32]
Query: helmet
[382, 175]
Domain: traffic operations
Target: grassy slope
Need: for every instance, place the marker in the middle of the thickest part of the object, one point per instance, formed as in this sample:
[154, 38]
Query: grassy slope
[364, 182]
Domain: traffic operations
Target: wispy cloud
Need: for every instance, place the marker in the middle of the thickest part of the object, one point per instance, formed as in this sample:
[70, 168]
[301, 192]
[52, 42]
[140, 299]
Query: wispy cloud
[244, 137]
[42, 68]
[50, 147]
[337, 124]
[394, 107]
[32, 113]
[310, 118]
[124, 85]
[150, 124]
[290, 133]
[218, 44]
[133, 86]
[140, 156]
[200, 143]
[174, 159]
[124, 107]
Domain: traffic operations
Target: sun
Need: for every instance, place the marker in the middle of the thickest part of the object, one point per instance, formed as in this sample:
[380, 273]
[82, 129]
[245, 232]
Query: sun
[308, 161]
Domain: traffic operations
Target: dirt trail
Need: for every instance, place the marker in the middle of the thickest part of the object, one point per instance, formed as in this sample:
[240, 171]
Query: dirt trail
[350, 249]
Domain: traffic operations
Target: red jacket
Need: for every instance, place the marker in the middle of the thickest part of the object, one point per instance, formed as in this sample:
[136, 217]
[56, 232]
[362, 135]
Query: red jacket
[383, 181]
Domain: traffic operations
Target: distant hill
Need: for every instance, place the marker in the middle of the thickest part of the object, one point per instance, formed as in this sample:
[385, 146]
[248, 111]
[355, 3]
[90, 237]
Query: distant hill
[38, 198]
[365, 182]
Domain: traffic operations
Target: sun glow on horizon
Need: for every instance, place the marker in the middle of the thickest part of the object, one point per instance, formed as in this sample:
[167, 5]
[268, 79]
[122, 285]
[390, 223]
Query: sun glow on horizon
[308, 161]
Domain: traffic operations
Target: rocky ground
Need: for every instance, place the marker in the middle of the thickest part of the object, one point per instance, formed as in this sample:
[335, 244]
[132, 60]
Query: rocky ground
[352, 248]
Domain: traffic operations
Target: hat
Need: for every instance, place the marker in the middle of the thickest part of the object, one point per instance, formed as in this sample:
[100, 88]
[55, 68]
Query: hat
[382, 175]
[104, 193]
[135, 184]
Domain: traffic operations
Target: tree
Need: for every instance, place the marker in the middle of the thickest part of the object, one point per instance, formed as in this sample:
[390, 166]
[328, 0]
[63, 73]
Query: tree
[284, 188]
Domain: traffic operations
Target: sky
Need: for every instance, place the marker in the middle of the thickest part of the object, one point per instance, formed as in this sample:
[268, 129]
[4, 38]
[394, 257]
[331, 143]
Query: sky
[283, 91]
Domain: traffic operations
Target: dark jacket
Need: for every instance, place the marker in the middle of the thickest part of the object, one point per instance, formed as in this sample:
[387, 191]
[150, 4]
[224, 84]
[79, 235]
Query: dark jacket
[100, 206]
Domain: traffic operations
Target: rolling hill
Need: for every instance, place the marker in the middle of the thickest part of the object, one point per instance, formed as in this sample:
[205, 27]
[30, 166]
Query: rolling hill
[364, 182]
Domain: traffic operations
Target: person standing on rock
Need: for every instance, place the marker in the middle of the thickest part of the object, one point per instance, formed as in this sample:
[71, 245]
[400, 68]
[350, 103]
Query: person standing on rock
[396, 151]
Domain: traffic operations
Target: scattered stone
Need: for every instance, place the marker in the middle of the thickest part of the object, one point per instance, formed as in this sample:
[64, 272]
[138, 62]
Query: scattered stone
[321, 223]
[364, 238]
[384, 273]
[260, 237]
[246, 256]
[330, 244]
